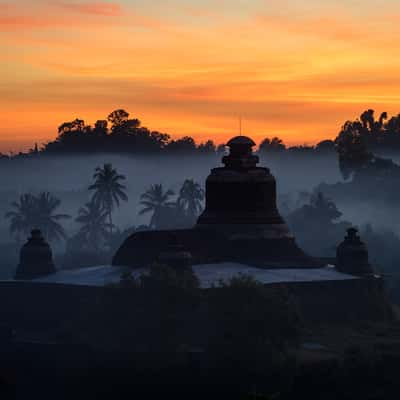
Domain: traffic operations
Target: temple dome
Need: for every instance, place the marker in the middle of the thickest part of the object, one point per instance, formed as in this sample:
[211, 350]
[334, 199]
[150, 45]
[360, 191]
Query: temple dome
[241, 140]
[242, 194]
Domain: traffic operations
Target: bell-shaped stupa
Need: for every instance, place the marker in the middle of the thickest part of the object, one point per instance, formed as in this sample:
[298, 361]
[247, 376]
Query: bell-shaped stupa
[241, 197]
[352, 255]
[36, 258]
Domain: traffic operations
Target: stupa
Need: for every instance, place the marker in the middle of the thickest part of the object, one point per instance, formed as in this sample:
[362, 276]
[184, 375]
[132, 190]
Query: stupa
[240, 223]
[352, 255]
[36, 258]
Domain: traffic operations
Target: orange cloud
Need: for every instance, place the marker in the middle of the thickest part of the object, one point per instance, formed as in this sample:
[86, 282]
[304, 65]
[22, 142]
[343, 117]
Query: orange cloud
[335, 26]
[94, 8]
[86, 16]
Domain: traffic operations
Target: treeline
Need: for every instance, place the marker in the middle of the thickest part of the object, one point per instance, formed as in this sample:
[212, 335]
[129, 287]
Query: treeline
[119, 133]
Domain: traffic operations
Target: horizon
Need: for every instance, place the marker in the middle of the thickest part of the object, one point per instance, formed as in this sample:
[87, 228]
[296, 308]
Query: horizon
[297, 70]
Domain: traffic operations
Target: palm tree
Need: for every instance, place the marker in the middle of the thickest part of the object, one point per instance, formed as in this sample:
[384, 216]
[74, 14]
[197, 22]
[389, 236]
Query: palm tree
[109, 190]
[32, 212]
[191, 197]
[94, 223]
[155, 200]
[46, 220]
[22, 217]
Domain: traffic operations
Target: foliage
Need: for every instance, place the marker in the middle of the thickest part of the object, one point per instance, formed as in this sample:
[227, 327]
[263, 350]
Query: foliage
[37, 212]
[108, 189]
[156, 201]
[94, 226]
[165, 277]
[128, 281]
[352, 150]
[241, 281]
[272, 145]
[316, 226]
[191, 196]
[253, 323]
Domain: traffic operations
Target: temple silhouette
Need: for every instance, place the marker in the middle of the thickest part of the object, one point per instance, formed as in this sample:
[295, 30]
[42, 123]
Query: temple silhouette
[240, 232]
[241, 222]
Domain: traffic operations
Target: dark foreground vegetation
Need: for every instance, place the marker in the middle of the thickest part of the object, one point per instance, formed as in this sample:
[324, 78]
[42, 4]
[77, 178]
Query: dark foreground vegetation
[160, 336]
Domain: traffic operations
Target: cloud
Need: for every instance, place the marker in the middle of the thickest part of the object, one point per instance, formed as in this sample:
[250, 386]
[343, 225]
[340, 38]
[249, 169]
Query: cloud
[94, 8]
[85, 16]
[16, 22]
[329, 27]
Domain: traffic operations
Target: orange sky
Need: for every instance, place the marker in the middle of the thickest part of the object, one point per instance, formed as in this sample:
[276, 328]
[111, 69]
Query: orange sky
[297, 69]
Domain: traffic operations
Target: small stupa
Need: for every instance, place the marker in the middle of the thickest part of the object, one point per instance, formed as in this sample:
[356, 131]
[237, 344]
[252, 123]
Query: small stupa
[36, 258]
[352, 255]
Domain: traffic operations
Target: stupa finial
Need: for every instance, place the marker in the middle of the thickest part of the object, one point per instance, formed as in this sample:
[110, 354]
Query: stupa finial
[240, 153]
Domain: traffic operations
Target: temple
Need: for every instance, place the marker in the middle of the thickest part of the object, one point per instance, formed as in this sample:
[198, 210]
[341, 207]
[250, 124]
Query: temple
[36, 258]
[240, 233]
[240, 223]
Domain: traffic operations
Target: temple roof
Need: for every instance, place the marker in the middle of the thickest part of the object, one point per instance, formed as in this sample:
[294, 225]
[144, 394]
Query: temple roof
[209, 274]
[241, 140]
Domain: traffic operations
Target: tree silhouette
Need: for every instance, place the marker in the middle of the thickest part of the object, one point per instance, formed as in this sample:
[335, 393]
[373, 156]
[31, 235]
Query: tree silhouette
[156, 200]
[272, 145]
[207, 148]
[183, 145]
[48, 222]
[108, 190]
[37, 212]
[317, 226]
[191, 197]
[352, 150]
[325, 147]
[94, 225]
[121, 124]
[22, 217]
[324, 209]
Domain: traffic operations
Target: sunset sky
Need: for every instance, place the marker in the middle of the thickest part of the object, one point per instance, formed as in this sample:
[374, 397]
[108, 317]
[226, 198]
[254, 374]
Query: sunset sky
[293, 68]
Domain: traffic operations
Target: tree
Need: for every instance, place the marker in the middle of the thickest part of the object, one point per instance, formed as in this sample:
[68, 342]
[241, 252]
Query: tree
[118, 118]
[100, 128]
[207, 148]
[108, 190]
[47, 220]
[317, 227]
[272, 145]
[37, 212]
[183, 145]
[325, 147]
[352, 150]
[155, 200]
[191, 197]
[22, 217]
[94, 223]
[121, 124]
[324, 209]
